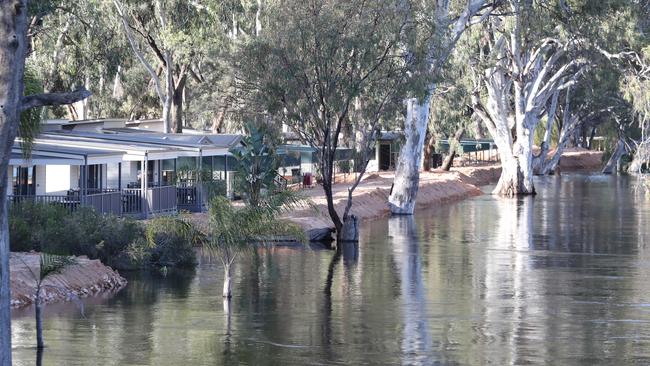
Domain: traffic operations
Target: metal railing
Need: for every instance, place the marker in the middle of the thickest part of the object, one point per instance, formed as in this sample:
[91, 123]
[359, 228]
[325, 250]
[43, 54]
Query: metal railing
[105, 203]
[131, 201]
[68, 202]
[187, 198]
[161, 199]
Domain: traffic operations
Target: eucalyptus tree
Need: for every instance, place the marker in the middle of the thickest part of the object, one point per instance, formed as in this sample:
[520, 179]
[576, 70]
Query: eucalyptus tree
[321, 65]
[637, 90]
[14, 48]
[449, 20]
[524, 62]
[172, 39]
[79, 43]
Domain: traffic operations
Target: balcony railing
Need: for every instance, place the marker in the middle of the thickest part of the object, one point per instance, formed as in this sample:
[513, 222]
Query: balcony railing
[128, 201]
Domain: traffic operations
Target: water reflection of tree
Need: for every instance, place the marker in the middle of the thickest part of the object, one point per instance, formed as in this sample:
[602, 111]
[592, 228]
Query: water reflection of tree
[416, 341]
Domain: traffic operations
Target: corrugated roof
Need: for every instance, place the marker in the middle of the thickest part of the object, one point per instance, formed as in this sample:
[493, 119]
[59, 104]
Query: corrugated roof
[157, 138]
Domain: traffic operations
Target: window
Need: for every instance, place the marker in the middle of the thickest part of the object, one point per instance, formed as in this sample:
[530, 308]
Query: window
[24, 179]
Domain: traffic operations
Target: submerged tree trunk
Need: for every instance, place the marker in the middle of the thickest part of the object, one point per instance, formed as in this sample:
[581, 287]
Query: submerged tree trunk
[350, 230]
[39, 320]
[227, 279]
[618, 153]
[407, 174]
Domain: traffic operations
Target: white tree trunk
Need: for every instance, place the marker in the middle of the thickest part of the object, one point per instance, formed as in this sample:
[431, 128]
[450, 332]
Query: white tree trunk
[227, 279]
[407, 174]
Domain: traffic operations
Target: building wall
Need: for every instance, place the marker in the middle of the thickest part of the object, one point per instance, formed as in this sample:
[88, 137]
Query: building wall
[112, 176]
[74, 177]
[306, 165]
[57, 179]
[129, 172]
[41, 174]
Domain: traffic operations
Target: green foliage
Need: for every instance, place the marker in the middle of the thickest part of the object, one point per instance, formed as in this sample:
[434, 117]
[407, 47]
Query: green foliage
[234, 229]
[53, 264]
[257, 167]
[171, 242]
[30, 120]
[51, 228]
[119, 242]
[538, 135]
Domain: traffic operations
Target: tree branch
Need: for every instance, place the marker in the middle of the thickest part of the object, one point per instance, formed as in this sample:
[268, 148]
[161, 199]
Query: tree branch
[53, 99]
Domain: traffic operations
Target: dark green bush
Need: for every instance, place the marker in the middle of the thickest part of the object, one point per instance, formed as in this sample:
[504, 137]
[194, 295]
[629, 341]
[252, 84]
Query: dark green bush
[171, 242]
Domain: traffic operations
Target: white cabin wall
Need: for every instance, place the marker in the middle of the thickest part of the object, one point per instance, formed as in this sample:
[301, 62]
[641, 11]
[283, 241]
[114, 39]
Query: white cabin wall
[113, 176]
[74, 176]
[57, 179]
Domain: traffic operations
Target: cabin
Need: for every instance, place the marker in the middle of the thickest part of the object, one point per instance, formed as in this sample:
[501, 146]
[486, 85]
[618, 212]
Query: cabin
[121, 167]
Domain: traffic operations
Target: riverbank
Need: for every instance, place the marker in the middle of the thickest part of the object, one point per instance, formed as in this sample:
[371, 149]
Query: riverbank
[371, 196]
[84, 278]
[436, 187]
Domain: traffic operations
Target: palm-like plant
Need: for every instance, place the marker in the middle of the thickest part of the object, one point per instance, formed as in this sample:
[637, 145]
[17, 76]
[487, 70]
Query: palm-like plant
[235, 230]
[257, 167]
[49, 264]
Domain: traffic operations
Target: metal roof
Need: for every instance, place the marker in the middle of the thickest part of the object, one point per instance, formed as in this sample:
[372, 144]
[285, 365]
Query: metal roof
[38, 158]
[78, 155]
[157, 138]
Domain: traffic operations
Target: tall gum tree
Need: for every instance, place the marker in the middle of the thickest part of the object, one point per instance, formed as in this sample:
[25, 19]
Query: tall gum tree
[14, 48]
[525, 63]
[512, 92]
[449, 30]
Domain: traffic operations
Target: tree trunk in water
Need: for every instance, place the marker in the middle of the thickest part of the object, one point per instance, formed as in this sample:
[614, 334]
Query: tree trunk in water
[227, 279]
[516, 176]
[350, 230]
[618, 153]
[327, 188]
[449, 161]
[39, 323]
[407, 174]
[227, 314]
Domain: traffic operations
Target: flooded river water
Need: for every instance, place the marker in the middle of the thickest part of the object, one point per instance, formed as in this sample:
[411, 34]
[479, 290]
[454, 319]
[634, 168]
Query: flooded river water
[562, 278]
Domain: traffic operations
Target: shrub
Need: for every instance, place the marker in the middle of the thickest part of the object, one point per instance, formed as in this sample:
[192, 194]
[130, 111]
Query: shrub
[122, 243]
[171, 241]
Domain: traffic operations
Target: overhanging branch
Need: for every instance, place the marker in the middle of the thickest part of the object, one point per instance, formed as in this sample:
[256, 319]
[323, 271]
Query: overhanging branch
[53, 99]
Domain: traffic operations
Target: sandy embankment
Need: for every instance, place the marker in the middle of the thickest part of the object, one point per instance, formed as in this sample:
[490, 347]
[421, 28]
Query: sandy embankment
[84, 278]
[371, 196]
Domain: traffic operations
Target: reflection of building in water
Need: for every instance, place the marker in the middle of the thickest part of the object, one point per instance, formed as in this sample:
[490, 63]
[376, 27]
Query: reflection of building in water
[416, 341]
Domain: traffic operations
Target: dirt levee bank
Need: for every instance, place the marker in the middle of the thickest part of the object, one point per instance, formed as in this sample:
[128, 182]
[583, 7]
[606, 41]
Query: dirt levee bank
[84, 278]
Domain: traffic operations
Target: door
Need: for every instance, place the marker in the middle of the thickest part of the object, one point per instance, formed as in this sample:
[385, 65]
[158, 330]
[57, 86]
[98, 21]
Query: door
[384, 156]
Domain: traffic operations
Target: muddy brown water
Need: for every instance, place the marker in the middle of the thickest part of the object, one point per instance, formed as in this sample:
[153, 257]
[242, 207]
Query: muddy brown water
[562, 278]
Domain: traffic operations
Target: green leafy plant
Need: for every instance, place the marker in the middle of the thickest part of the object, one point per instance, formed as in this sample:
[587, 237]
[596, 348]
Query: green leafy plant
[257, 168]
